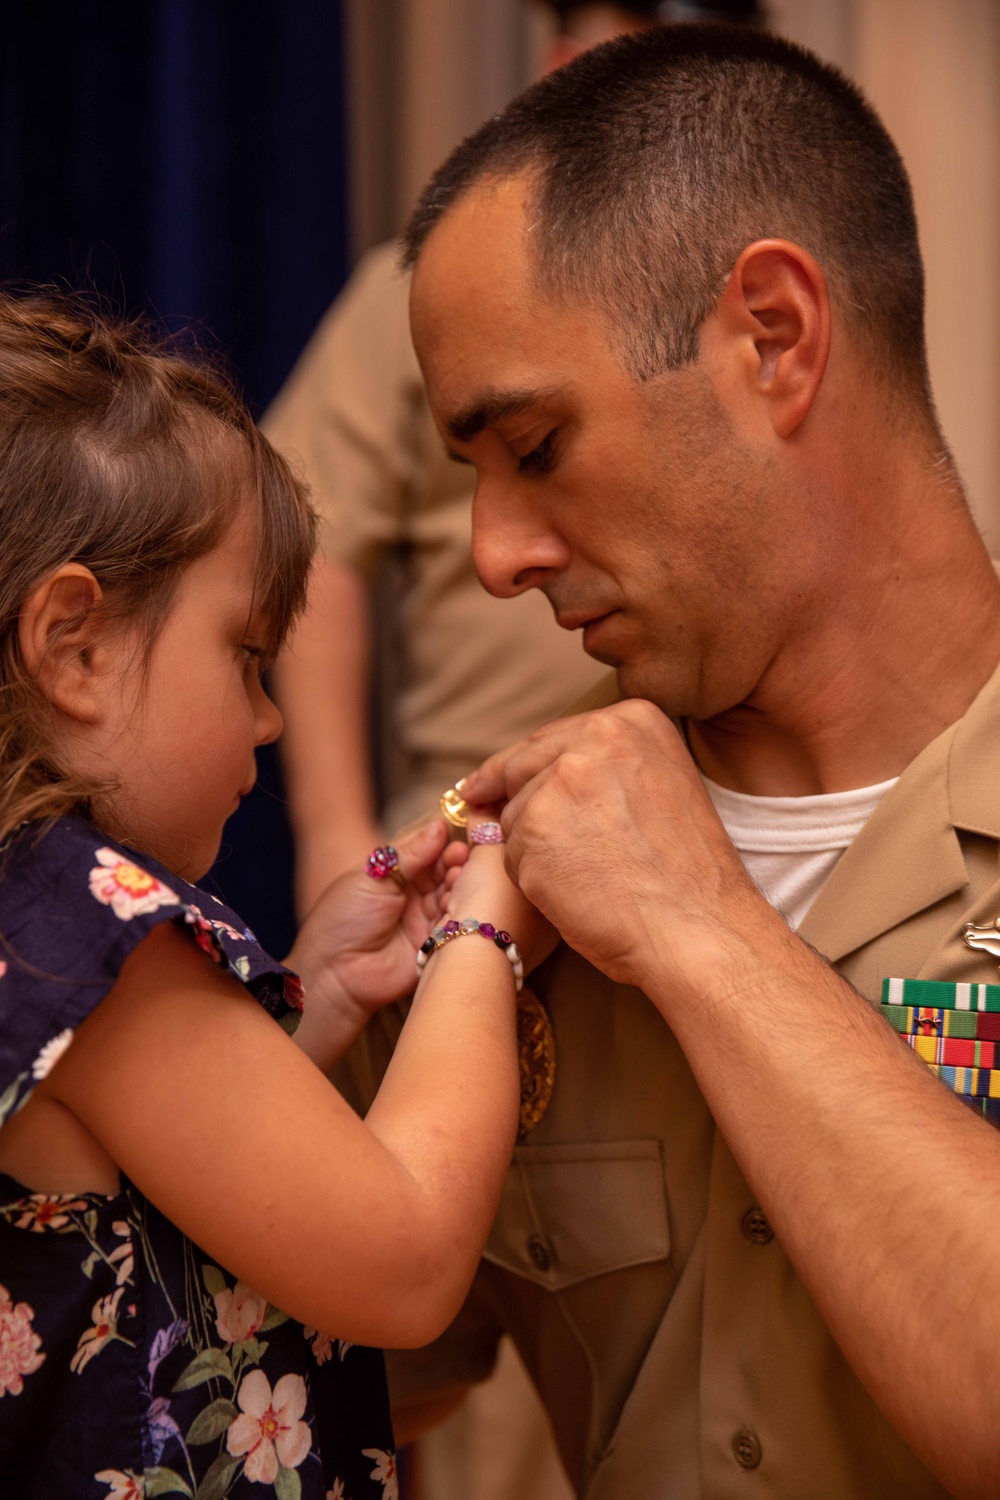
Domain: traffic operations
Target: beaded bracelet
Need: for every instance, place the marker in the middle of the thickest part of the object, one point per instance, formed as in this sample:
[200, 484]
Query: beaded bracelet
[453, 929]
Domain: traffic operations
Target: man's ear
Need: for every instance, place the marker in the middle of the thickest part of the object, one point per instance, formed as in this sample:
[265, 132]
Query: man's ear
[777, 304]
[59, 640]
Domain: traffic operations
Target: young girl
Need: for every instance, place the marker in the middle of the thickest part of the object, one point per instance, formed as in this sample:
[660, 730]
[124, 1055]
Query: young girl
[198, 1238]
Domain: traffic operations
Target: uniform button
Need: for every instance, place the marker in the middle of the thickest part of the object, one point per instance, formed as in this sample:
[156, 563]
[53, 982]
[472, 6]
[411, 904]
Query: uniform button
[756, 1228]
[746, 1447]
[538, 1250]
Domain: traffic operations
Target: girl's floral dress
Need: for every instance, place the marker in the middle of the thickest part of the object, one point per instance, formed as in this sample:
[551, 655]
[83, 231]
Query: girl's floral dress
[130, 1364]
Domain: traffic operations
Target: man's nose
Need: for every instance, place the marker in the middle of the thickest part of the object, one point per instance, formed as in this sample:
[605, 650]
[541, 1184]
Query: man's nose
[514, 548]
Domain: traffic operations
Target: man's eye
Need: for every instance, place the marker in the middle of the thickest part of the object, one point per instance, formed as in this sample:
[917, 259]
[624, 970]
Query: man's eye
[540, 459]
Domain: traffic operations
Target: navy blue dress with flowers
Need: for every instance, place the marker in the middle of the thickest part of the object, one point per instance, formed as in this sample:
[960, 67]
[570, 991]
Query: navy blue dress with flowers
[130, 1364]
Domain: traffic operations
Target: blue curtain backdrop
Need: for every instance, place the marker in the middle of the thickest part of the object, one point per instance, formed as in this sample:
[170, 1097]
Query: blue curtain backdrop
[187, 157]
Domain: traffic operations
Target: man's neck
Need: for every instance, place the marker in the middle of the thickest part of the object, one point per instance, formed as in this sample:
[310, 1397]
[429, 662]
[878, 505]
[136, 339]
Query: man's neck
[883, 665]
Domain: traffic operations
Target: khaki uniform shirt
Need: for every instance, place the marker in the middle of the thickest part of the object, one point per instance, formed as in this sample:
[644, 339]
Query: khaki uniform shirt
[472, 673]
[675, 1348]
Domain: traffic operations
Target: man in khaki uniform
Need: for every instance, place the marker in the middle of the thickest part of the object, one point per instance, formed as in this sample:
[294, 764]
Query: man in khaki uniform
[750, 1248]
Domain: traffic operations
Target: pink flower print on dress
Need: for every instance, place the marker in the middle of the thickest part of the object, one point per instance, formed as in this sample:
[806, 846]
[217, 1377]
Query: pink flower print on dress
[129, 890]
[385, 1471]
[123, 1256]
[239, 1313]
[203, 933]
[294, 993]
[46, 1211]
[269, 1429]
[322, 1345]
[216, 923]
[50, 1054]
[19, 1344]
[124, 1486]
[105, 1316]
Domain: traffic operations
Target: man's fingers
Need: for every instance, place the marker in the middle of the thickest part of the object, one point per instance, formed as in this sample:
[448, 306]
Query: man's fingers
[487, 784]
[513, 821]
[503, 774]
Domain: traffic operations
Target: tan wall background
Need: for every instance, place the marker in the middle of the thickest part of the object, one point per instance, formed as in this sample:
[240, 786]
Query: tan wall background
[425, 72]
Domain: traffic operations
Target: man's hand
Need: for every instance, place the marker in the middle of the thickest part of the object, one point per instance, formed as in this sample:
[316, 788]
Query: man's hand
[611, 834]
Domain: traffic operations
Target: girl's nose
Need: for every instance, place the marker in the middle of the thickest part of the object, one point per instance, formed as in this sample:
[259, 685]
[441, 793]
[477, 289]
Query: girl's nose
[267, 718]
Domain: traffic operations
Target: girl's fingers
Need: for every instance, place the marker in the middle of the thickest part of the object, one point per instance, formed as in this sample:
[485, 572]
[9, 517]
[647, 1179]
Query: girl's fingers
[419, 850]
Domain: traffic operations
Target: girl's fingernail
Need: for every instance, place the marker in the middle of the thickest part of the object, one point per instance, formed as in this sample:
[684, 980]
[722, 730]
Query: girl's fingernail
[459, 785]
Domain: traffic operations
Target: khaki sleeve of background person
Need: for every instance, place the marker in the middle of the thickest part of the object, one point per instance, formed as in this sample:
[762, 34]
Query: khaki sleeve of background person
[344, 421]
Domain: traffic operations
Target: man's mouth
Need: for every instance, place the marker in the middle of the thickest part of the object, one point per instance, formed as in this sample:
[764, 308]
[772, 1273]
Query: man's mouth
[580, 618]
[593, 627]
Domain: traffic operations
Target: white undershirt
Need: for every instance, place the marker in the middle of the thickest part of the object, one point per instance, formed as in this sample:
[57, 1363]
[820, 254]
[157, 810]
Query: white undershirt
[791, 844]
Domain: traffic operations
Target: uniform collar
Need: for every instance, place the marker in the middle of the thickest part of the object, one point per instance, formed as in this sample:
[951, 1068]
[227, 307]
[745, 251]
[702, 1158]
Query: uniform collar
[908, 855]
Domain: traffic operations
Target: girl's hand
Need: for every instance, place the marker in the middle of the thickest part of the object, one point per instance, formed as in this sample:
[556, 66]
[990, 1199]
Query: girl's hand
[357, 949]
[481, 888]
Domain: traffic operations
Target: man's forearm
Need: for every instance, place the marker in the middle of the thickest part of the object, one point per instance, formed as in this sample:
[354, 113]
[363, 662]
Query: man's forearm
[883, 1189]
[322, 687]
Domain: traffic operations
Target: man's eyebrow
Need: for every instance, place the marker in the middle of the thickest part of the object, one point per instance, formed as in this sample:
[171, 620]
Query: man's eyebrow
[489, 408]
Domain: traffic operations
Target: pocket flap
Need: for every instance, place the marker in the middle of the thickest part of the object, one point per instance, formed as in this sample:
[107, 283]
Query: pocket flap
[572, 1212]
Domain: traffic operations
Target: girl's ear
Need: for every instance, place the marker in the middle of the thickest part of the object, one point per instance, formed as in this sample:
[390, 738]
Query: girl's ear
[59, 640]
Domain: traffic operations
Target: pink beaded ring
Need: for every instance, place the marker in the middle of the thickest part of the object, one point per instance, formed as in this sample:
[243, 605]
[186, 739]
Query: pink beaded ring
[383, 863]
[486, 833]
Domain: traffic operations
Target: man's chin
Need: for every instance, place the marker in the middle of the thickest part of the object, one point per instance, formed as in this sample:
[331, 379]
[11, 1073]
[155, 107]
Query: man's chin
[638, 679]
[609, 658]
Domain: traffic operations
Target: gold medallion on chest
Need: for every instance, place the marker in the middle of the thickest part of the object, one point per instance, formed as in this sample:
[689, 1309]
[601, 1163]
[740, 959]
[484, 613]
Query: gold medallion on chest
[536, 1057]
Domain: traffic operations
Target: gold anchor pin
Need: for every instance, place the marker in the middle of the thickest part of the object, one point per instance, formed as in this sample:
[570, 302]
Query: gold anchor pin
[455, 808]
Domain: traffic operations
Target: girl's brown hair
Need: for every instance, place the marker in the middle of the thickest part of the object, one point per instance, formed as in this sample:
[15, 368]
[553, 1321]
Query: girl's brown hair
[124, 455]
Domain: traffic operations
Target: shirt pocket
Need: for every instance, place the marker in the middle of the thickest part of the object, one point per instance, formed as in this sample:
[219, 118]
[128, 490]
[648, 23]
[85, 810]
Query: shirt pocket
[569, 1213]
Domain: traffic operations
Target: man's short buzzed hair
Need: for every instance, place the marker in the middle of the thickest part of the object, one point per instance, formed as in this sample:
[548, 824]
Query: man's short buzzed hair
[658, 157]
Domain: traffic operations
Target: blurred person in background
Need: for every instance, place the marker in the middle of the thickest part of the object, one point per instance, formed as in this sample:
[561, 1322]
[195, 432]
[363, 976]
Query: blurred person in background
[467, 672]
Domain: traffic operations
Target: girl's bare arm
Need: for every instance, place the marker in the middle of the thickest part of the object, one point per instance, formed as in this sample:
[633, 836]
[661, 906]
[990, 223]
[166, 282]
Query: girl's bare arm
[369, 1230]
